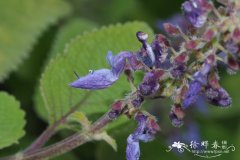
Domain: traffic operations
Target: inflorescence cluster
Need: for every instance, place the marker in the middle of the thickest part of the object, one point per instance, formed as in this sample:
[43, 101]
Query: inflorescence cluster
[182, 73]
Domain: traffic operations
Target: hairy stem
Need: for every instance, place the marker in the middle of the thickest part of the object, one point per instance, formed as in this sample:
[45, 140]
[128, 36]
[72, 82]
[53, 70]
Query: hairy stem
[68, 143]
[50, 131]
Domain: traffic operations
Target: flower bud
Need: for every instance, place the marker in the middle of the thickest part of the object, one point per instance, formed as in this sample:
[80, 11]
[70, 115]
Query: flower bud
[178, 70]
[171, 29]
[232, 47]
[160, 44]
[116, 109]
[213, 80]
[191, 44]
[196, 11]
[135, 64]
[181, 58]
[232, 64]
[176, 116]
[236, 34]
[150, 84]
[218, 97]
[137, 102]
[209, 34]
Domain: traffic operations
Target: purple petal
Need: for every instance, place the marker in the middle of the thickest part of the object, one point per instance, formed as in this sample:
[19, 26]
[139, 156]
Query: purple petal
[146, 53]
[176, 116]
[133, 149]
[178, 70]
[147, 127]
[110, 58]
[176, 122]
[98, 79]
[201, 78]
[118, 62]
[196, 11]
[137, 102]
[148, 89]
[150, 84]
[146, 130]
[221, 97]
[195, 88]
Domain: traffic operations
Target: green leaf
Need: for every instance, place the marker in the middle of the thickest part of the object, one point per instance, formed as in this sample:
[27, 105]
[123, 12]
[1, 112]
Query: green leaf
[11, 120]
[81, 119]
[104, 136]
[21, 24]
[39, 105]
[84, 53]
[75, 27]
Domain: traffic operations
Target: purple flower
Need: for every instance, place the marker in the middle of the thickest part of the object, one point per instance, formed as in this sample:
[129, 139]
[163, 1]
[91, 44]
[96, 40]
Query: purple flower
[133, 149]
[196, 11]
[218, 97]
[195, 88]
[178, 70]
[138, 100]
[146, 54]
[97, 79]
[150, 84]
[211, 93]
[232, 47]
[103, 78]
[116, 109]
[147, 128]
[160, 47]
[200, 81]
[176, 116]
[118, 62]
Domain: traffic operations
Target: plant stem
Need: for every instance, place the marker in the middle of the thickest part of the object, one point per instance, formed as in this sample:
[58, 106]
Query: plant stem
[68, 143]
[50, 131]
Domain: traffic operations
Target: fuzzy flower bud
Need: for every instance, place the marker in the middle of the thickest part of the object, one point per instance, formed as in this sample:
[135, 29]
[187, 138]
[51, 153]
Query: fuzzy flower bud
[236, 34]
[116, 109]
[176, 116]
[171, 29]
[218, 97]
[196, 11]
[209, 34]
[150, 84]
[177, 71]
[215, 94]
[137, 102]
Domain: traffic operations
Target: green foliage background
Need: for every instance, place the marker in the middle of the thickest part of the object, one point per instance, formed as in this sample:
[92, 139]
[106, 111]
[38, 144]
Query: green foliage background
[43, 42]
